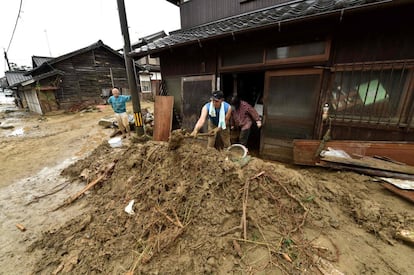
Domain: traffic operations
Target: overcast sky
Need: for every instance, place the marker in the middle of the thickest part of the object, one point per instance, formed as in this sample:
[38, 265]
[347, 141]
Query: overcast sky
[57, 27]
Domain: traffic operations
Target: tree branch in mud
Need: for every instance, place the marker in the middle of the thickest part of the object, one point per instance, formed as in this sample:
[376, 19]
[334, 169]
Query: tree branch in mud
[107, 171]
[36, 198]
[292, 197]
[268, 179]
[243, 220]
[176, 222]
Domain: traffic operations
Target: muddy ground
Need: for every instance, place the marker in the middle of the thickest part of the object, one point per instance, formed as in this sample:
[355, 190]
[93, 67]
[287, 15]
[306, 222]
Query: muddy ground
[195, 210]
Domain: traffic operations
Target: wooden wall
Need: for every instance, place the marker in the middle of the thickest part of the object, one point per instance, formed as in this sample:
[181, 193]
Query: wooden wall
[191, 60]
[196, 12]
[86, 75]
[362, 38]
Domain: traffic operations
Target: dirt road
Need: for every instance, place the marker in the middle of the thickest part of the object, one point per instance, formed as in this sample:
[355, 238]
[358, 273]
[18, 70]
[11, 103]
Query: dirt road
[187, 219]
[32, 155]
[37, 141]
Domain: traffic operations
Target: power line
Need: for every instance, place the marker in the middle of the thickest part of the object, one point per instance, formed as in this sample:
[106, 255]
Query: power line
[15, 25]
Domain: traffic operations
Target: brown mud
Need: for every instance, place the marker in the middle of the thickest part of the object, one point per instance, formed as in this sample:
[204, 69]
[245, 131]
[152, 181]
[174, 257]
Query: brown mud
[197, 212]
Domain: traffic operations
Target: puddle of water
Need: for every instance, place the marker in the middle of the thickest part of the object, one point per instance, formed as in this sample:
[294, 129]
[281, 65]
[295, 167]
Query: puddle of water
[22, 203]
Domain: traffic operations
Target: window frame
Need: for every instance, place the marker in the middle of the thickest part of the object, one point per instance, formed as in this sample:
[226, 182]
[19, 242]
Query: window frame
[300, 59]
[403, 114]
[274, 62]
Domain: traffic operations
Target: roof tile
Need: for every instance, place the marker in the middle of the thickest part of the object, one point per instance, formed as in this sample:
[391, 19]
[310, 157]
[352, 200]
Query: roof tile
[264, 17]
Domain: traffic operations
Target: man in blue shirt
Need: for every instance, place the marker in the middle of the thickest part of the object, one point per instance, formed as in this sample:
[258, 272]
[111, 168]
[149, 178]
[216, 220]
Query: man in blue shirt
[218, 113]
[118, 103]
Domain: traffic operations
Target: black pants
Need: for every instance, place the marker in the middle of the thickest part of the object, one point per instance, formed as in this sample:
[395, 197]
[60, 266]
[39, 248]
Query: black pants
[244, 136]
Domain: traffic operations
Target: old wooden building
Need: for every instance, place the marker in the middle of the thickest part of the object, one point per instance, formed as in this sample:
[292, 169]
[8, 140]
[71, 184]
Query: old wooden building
[355, 57]
[74, 80]
[150, 74]
[13, 82]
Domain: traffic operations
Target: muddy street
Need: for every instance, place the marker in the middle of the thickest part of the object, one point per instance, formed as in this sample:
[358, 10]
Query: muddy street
[34, 150]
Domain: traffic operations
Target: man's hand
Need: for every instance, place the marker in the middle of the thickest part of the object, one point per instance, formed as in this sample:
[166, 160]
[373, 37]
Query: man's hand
[259, 124]
[214, 131]
[194, 133]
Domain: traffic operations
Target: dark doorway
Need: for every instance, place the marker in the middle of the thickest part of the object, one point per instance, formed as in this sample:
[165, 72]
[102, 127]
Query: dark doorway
[249, 86]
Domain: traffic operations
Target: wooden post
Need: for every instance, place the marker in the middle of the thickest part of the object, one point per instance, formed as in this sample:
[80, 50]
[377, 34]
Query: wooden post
[112, 77]
[129, 65]
[163, 111]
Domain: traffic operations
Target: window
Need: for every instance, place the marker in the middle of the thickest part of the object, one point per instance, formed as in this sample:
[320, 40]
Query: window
[291, 99]
[240, 57]
[153, 61]
[146, 86]
[312, 51]
[142, 61]
[370, 96]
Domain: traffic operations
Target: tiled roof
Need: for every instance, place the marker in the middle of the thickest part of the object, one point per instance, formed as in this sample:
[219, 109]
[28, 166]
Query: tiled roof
[16, 77]
[42, 76]
[77, 52]
[39, 60]
[266, 17]
[146, 39]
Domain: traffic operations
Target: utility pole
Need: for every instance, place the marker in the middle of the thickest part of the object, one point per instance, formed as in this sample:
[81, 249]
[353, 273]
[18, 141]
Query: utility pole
[7, 59]
[129, 65]
[48, 45]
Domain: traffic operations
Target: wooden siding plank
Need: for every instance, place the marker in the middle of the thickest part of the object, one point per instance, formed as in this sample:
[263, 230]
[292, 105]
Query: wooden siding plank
[366, 171]
[409, 195]
[163, 111]
[304, 150]
[197, 12]
[372, 163]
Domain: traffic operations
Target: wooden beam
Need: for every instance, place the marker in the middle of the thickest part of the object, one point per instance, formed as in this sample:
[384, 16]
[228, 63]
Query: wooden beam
[304, 150]
[163, 112]
[366, 171]
[409, 195]
[48, 88]
[372, 163]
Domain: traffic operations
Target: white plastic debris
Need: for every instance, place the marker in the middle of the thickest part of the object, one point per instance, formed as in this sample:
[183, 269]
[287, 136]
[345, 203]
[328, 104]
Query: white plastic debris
[129, 208]
[17, 132]
[334, 153]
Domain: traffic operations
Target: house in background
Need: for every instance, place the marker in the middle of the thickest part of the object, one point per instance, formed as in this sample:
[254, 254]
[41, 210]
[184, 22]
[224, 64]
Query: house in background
[150, 73]
[355, 57]
[72, 81]
[3, 87]
[39, 60]
[14, 80]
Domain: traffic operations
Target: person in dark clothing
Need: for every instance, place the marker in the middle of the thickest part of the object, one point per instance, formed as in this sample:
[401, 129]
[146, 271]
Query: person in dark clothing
[243, 116]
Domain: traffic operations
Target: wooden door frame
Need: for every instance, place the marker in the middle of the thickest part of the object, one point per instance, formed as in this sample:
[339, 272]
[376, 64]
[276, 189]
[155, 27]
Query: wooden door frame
[290, 72]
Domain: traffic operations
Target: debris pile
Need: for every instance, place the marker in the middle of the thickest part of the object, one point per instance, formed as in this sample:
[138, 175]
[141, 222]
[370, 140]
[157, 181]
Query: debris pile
[147, 116]
[194, 211]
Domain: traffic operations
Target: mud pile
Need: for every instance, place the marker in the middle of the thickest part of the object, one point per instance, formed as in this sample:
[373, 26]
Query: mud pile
[195, 211]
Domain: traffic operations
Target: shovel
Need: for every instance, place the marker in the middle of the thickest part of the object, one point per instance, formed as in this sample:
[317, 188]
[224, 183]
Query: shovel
[201, 135]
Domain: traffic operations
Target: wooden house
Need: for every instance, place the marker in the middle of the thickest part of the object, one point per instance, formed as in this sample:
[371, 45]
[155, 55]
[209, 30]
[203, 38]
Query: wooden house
[13, 82]
[74, 80]
[150, 73]
[355, 57]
